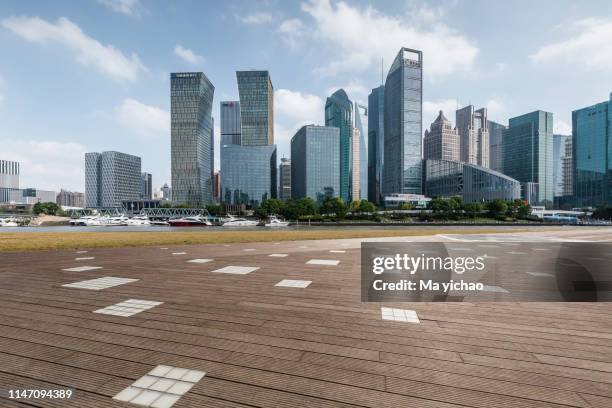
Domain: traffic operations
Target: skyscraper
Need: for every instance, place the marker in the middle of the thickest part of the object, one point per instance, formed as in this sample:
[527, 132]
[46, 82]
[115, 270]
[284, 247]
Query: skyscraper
[315, 162]
[67, 198]
[230, 122]
[9, 179]
[191, 97]
[166, 191]
[528, 155]
[376, 129]
[146, 186]
[110, 178]
[355, 165]
[339, 113]
[361, 123]
[592, 144]
[496, 158]
[256, 108]
[473, 135]
[284, 188]
[441, 141]
[560, 165]
[402, 167]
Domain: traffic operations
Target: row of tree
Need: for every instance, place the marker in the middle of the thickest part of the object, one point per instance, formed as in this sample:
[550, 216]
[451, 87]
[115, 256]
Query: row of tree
[455, 208]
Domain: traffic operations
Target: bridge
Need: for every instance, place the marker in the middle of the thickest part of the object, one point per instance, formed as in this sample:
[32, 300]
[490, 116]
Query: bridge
[153, 213]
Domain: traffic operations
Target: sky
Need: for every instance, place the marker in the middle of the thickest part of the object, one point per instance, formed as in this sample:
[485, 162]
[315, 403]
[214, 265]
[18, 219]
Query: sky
[93, 75]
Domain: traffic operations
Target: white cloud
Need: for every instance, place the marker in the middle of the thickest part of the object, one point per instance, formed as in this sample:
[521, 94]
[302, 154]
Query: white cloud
[292, 110]
[363, 35]
[292, 31]
[146, 121]
[431, 110]
[561, 128]
[497, 110]
[590, 46]
[357, 91]
[188, 55]
[88, 51]
[47, 164]
[128, 7]
[256, 18]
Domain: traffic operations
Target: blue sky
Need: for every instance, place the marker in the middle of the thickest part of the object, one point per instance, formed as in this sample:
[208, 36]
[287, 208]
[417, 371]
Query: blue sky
[79, 76]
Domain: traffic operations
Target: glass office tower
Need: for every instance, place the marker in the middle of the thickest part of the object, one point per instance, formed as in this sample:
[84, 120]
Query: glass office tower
[473, 134]
[376, 130]
[284, 176]
[339, 113]
[315, 162]
[592, 152]
[402, 169]
[256, 108]
[230, 122]
[496, 158]
[110, 178]
[9, 179]
[528, 155]
[191, 97]
[361, 123]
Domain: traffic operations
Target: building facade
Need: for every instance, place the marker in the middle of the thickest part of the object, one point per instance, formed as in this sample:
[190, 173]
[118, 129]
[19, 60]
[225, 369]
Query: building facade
[441, 141]
[256, 108]
[473, 135]
[32, 196]
[496, 157]
[592, 144]
[339, 113]
[230, 122]
[473, 183]
[248, 174]
[528, 154]
[376, 130]
[356, 165]
[403, 102]
[217, 187]
[284, 185]
[562, 169]
[192, 147]
[361, 123]
[315, 163]
[67, 198]
[9, 179]
[147, 186]
[110, 178]
[166, 192]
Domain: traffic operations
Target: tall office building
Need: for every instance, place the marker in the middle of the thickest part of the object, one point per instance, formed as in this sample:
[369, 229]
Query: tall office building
[441, 141]
[217, 187]
[568, 169]
[376, 130]
[496, 157]
[9, 179]
[230, 122]
[191, 97]
[402, 167]
[592, 144]
[32, 196]
[256, 108]
[110, 178]
[339, 113]
[528, 155]
[361, 123]
[166, 191]
[356, 165]
[315, 162]
[561, 169]
[284, 187]
[67, 198]
[473, 135]
[147, 186]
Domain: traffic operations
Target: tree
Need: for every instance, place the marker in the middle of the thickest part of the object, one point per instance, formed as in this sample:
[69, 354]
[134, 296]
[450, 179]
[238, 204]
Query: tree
[497, 207]
[296, 208]
[472, 209]
[269, 207]
[406, 206]
[334, 205]
[362, 206]
[48, 208]
[215, 209]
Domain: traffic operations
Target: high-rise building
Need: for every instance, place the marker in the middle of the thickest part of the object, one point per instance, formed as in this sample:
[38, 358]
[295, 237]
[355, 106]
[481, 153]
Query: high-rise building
[356, 165]
[146, 186]
[315, 162]
[284, 185]
[562, 146]
[217, 187]
[191, 97]
[110, 178]
[402, 163]
[361, 123]
[256, 108]
[528, 155]
[592, 147]
[568, 168]
[73, 199]
[441, 141]
[32, 196]
[376, 129]
[339, 113]
[473, 135]
[230, 122]
[496, 157]
[166, 191]
[9, 179]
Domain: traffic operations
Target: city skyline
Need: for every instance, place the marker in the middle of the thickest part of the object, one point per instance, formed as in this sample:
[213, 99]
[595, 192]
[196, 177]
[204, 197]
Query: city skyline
[114, 84]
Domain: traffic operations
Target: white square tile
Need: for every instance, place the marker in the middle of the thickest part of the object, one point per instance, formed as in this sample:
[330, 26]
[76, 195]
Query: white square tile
[399, 315]
[99, 283]
[329, 262]
[303, 247]
[337, 251]
[176, 373]
[180, 388]
[491, 288]
[160, 370]
[200, 260]
[165, 401]
[163, 248]
[84, 258]
[193, 376]
[146, 397]
[237, 270]
[541, 274]
[278, 255]
[248, 249]
[162, 384]
[81, 252]
[179, 253]
[517, 253]
[82, 268]
[290, 283]
[128, 394]
[129, 307]
[145, 381]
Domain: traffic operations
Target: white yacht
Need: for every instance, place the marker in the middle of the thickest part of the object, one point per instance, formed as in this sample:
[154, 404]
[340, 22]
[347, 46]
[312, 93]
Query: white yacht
[275, 222]
[239, 222]
[139, 221]
[82, 221]
[192, 221]
[8, 222]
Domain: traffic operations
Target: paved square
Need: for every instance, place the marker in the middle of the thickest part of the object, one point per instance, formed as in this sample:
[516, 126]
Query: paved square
[399, 315]
[99, 283]
[289, 283]
[128, 307]
[237, 270]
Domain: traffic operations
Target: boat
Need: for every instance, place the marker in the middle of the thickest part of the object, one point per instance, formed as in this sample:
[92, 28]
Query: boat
[275, 222]
[139, 221]
[82, 221]
[192, 221]
[8, 222]
[239, 222]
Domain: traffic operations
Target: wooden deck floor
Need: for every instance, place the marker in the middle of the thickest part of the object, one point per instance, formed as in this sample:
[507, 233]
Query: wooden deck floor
[266, 346]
